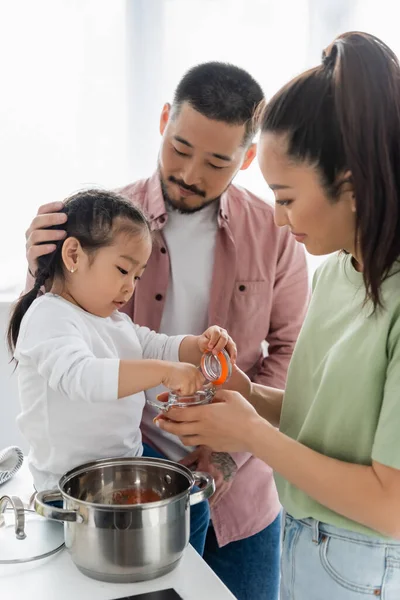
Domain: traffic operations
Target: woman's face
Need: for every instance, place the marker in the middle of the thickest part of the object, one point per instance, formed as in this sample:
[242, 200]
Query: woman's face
[322, 225]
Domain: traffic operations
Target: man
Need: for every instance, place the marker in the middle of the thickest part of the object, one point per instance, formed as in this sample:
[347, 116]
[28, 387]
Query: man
[217, 258]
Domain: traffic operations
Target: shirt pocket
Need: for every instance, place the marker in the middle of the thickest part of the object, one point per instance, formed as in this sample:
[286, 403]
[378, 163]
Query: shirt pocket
[250, 309]
[248, 289]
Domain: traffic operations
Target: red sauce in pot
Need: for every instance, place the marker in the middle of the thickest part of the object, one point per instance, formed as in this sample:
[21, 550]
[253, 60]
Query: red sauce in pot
[135, 496]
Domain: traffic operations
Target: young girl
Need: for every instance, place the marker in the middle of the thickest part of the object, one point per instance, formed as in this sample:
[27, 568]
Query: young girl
[82, 365]
[330, 150]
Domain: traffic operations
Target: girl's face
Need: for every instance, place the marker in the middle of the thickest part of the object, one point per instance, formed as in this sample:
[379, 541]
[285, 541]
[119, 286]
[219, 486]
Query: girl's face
[105, 281]
[323, 225]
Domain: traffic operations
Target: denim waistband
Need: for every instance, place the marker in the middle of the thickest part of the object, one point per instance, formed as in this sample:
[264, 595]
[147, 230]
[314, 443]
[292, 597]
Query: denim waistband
[319, 528]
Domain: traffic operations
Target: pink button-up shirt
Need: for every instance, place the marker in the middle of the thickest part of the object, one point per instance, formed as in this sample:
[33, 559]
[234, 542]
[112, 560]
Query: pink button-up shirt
[259, 293]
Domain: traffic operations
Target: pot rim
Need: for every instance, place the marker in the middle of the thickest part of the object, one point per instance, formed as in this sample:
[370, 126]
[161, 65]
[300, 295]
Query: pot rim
[102, 462]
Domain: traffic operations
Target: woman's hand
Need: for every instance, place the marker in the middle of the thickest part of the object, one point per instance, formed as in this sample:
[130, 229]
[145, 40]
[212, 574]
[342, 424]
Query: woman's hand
[215, 339]
[224, 426]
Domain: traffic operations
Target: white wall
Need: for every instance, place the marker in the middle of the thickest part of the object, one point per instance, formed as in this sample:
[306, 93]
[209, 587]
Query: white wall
[63, 111]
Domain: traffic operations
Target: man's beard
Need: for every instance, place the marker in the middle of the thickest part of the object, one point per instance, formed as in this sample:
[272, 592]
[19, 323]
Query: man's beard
[176, 204]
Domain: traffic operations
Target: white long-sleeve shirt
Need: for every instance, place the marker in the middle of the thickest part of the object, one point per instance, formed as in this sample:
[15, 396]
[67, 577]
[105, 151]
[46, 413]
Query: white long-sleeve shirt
[68, 363]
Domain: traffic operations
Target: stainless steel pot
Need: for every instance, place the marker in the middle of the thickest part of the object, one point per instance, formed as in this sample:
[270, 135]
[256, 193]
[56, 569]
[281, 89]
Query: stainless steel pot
[125, 543]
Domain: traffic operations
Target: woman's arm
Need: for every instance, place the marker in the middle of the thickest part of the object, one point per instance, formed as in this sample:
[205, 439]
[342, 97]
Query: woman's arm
[366, 494]
[267, 401]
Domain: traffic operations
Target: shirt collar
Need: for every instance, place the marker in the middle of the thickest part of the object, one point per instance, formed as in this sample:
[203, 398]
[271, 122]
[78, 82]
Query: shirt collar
[156, 210]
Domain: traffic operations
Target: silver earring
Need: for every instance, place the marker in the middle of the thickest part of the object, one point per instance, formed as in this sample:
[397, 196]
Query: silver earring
[72, 270]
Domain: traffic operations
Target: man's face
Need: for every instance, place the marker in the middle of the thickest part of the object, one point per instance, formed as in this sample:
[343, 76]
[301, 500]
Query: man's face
[199, 157]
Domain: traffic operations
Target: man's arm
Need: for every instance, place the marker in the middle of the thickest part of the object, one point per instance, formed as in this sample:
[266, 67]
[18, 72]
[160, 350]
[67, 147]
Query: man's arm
[220, 465]
[289, 305]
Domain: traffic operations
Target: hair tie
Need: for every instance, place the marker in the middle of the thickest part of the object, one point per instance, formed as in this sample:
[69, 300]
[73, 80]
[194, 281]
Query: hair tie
[41, 279]
[329, 57]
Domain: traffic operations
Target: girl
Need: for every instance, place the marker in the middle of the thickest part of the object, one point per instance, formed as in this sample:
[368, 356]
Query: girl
[83, 365]
[330, 150]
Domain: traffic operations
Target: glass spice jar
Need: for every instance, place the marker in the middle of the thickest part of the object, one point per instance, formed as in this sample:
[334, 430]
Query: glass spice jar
[216, 368]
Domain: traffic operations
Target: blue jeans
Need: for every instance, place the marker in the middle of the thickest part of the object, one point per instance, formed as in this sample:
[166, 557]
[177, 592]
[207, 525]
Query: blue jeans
[248, 567]
[321, 561]
[199, 513]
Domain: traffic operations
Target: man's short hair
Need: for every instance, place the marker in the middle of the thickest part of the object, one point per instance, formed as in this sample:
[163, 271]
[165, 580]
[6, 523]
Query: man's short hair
[222, 92]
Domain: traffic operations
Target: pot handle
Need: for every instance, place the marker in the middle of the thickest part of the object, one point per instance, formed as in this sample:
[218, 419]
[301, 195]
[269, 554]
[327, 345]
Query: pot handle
[19, 513]
[52, 512]
[207, 489]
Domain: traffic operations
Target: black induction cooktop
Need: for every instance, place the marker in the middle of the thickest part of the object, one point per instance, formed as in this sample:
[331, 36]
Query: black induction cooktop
[169, 594]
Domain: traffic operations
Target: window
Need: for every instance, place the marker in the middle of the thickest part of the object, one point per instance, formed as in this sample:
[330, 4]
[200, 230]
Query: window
[85, 80]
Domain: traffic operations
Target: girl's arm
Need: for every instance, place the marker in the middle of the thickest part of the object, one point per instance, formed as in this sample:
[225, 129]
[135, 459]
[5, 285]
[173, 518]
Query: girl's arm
[138, 375]
[188, 349]
[51, 341]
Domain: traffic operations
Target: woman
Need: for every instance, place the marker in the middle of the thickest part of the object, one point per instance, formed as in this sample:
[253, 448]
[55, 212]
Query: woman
[330, 151]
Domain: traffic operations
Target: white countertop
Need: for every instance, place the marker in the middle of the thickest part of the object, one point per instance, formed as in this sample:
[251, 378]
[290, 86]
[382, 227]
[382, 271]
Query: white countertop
[57, 578]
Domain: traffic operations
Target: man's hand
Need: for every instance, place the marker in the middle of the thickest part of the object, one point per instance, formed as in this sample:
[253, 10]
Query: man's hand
[39, 240]
[218, 464]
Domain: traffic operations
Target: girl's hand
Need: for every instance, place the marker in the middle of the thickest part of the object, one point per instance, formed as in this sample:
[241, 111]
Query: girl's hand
[182, 378]
[238, 382]
[224, 426]
[215, 339]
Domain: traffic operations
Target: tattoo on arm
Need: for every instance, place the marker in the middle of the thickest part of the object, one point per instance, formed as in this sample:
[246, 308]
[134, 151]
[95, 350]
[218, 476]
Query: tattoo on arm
[224, 463]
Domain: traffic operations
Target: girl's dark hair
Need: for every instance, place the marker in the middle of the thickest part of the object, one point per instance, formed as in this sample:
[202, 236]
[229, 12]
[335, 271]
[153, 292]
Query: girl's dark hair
[344, 115]
[92, 216]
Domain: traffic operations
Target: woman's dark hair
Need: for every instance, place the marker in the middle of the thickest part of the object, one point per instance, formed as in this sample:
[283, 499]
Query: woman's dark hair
[94, 218]
[344, 115]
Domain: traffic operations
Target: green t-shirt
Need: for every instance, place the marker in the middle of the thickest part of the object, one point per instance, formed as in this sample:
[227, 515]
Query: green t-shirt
[342, 396]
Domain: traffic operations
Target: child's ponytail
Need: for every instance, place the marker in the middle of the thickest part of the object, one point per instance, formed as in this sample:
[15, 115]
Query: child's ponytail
[43, 273]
